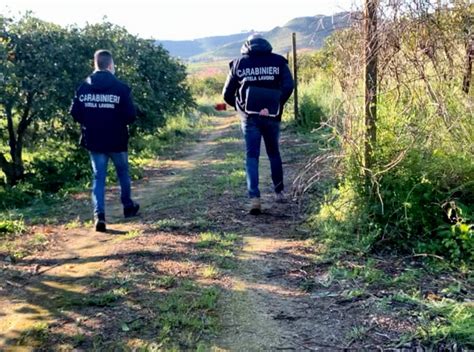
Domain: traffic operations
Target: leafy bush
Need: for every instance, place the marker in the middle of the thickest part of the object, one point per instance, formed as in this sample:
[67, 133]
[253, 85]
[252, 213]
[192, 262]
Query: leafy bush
[310, 112]
[17, 196]
[428, 202]
[458, 239]
[412, 190]
[343, 222]
[8, 226]
[57, 166]
[318, 94]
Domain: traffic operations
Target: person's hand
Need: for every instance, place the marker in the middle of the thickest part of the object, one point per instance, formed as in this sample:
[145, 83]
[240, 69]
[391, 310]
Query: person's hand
[264, 112]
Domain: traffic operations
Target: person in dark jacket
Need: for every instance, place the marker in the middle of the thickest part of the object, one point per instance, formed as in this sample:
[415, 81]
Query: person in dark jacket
[258, 85]
[104, 107]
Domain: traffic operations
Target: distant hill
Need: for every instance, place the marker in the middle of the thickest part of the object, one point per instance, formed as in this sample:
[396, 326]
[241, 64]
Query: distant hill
[310, 34]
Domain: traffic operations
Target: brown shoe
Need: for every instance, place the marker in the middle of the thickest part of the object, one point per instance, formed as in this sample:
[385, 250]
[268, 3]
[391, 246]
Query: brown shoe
[255, 206]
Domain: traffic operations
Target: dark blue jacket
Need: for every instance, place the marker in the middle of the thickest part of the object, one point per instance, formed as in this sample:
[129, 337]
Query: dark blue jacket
[104, 107]
[258, 79]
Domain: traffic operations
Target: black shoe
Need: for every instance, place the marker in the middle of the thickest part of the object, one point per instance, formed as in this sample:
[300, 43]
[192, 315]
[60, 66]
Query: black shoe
[131, 211]
[100, 223]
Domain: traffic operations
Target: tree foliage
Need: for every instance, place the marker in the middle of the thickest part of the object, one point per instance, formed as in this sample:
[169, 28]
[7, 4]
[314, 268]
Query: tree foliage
[158, 80]
[42, 64]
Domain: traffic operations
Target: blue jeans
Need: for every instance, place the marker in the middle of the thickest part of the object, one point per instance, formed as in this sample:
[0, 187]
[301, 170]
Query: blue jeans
[254, 128]
[99, 167]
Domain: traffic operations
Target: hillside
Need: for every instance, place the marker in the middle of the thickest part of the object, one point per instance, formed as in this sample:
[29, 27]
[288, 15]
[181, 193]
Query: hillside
[310, 32]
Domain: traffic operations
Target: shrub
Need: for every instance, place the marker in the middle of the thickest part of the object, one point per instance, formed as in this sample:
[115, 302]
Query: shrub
[8, 227]
[428, 201]
[59, 167]
[415, 193]
[17, 196]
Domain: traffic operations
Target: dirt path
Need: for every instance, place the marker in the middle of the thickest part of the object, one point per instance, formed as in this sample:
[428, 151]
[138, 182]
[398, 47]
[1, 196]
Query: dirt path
[32, 286]
[267, 308]
[194, 271]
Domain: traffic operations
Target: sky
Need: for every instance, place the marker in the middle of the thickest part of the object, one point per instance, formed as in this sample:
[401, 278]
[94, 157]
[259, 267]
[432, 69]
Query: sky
[177, 19]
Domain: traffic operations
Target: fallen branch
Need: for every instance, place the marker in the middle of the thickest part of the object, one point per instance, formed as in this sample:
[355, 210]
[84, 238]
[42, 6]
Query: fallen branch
[422, 255]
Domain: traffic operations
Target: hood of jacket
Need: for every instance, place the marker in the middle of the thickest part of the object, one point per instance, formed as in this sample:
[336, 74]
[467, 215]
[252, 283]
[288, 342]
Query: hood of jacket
[256, 45]
[101, 80]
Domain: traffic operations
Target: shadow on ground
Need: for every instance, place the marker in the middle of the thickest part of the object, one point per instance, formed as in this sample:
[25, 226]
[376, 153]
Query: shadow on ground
[194, 270]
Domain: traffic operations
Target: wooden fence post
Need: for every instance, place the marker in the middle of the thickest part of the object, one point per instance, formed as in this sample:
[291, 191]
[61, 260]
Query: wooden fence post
[295, 77]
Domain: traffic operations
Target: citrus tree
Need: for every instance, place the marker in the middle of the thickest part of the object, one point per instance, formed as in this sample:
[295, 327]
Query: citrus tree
[38, 77]
[42, 64]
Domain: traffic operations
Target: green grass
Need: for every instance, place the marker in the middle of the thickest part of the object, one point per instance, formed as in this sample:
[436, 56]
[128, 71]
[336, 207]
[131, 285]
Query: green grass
[217, 240]
[354, 293]
[361, 273]
[73, 224]
[16, 242]
[177, 131]
[13, 251]
[446, 320]
[173, 224]
[185, 313]
[224, 140]
[120, 279]
[104, 299]
[449, 322]
[358, 333]
[234, 181]
[210, 272]
[77, 339]
[47, 209]
[318, 100]
[218, 248]
[230, 171]
[441, 321]
[307, 285]
[169, 224]
[37, 240]
[130, 235]
[188, 192]
[165, 282]
[408, 278]
[35, 336]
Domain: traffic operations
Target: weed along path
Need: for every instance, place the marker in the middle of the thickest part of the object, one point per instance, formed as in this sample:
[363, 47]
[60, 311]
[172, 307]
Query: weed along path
[193, 272]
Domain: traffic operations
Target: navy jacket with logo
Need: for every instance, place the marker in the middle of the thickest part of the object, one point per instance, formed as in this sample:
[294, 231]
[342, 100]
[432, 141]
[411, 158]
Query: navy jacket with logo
[258, 79]
[104, 107]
